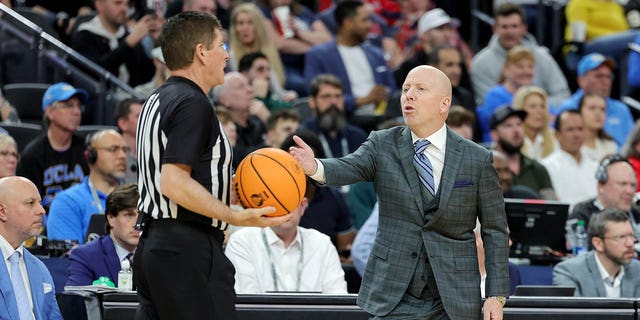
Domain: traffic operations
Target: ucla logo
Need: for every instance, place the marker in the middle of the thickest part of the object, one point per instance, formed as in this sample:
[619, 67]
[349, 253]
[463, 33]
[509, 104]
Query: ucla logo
[62, 173]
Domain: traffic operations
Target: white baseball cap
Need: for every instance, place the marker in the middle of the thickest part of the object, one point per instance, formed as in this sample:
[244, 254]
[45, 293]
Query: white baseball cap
[435, 18]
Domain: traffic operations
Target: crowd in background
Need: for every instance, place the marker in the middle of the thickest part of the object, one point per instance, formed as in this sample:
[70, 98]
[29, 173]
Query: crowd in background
[332, 72]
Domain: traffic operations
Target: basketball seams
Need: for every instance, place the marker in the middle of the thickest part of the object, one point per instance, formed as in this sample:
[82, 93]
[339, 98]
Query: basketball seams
[286, 170]
[275, 188]
[242, 195]
[265, 183]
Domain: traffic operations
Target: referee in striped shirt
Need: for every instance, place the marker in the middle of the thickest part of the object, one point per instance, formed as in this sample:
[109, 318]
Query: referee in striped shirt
[184, 161]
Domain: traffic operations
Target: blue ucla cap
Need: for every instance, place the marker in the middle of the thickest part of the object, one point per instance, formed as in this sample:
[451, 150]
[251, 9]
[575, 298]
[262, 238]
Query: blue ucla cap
[593, 61]
[62, 91]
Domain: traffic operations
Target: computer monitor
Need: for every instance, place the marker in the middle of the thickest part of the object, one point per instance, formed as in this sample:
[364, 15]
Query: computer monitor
[96, 226]
[537, 229]
[544, 291]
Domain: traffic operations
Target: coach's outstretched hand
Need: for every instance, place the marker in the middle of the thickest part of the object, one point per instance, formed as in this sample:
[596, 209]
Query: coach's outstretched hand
[304, 154]
[257, 218]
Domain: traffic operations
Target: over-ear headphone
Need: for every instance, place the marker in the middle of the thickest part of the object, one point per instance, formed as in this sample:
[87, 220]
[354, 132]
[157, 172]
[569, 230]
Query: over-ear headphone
[90, 152]
[601, 172]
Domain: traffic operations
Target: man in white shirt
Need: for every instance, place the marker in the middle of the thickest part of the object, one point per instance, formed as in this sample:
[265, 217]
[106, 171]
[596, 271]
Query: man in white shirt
[285, 258]
[609, 270]
[572, 172]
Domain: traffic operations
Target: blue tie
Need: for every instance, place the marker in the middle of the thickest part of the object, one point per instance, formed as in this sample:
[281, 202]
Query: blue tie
[423, 165]
[24, 307]
[130, 258]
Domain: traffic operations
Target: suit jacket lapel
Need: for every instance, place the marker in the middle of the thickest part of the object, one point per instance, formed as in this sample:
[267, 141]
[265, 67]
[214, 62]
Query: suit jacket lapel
[6, 290]
[406, 152]
[111, 259]
[628, 283]
[595, 275]
[342, 70]
[452, 162]
[35, 281]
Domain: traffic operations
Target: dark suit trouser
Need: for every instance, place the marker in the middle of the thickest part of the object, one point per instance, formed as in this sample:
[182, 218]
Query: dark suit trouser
[181, 272]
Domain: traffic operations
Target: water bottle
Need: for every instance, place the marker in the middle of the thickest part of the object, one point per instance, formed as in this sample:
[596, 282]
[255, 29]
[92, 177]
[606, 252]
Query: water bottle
[581, 237]
[570, 234]
[125, 277]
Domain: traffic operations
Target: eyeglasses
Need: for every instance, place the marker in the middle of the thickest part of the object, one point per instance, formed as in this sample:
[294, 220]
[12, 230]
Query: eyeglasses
[623, 238]
[67, 105]
[114, 149]
[5, 154]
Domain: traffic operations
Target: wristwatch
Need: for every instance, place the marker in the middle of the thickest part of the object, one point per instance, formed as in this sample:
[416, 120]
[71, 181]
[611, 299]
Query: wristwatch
[500, 299]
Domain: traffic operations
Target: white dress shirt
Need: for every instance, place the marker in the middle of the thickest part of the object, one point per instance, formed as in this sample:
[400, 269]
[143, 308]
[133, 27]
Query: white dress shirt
[120, 251]
[320, 268]
[611, 285]
[435, 152]
[572, 181]
[7, 251]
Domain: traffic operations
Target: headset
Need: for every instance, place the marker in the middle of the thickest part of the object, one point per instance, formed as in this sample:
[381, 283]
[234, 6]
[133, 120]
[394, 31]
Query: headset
[601, 172]
[90, 152]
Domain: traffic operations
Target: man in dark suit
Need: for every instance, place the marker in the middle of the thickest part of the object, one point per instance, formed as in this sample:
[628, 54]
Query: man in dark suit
[26, 287]
[423, 263]
[102, 257]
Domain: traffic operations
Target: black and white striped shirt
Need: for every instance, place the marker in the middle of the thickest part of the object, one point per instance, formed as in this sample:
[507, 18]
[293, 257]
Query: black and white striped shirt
[178, 125]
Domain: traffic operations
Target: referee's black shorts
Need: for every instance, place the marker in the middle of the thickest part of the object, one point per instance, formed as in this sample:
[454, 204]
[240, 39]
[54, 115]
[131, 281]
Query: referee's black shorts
[181, 272]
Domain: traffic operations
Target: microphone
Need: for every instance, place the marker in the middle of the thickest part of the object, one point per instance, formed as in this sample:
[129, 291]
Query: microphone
[134, 167]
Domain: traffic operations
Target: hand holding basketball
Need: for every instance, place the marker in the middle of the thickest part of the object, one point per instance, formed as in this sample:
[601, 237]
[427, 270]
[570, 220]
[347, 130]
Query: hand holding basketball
[270, 177]
[258, 217]
[304, 154]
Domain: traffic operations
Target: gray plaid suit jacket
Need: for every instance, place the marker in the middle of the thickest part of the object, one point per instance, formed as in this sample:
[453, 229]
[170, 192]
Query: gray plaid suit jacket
[468, 189]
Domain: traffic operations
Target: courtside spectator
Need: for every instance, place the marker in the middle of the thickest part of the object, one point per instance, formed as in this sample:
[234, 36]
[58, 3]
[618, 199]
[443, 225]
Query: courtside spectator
[55, 160]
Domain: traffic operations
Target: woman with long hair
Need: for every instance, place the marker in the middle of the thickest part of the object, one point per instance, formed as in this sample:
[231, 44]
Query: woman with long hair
[9, 156]
[539, 140]
[247, 34]
[597, 143]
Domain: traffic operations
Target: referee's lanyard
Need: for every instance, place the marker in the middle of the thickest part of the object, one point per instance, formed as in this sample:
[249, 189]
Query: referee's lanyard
[273, 266]
[94, 194]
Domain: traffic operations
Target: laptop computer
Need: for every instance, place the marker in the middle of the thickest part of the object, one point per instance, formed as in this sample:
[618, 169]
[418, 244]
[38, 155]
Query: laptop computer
[544, 291]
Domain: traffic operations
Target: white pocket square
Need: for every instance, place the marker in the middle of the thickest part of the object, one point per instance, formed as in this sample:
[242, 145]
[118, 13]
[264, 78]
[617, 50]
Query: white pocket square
[47, 287]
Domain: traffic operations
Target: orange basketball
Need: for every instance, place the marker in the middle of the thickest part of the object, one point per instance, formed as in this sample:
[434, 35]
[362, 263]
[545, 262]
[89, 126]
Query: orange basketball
[270, 177]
